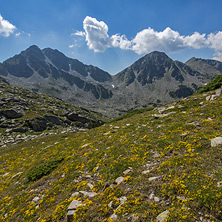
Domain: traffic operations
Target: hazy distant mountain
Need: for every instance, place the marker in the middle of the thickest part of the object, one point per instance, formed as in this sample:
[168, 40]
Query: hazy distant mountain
[152, 80]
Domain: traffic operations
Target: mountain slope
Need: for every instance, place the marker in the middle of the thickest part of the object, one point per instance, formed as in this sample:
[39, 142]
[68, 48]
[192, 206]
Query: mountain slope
[153, 80]
[157, 79]
[161, 163]
[24, 113]
[51, 72]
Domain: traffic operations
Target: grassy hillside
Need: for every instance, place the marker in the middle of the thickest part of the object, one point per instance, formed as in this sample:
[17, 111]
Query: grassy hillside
[24, 113]
[162, 158]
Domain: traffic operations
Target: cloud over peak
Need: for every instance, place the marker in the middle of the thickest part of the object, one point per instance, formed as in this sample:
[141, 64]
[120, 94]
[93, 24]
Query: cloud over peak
[96, 34]
[6, 28]
[147, 40]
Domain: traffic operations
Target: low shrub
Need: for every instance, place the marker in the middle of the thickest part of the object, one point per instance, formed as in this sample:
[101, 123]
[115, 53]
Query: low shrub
[43, 169]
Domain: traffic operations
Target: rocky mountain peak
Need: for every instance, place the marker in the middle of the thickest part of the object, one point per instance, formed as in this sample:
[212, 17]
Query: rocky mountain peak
[33, 48]
[155, 55]
[152, 80]
[145, 70]
[155, 58]
[34, 51]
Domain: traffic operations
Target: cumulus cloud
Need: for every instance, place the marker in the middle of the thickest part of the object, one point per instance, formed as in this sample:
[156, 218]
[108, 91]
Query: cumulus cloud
[147, 40]
[6, 28]
[121, 42]
[215, 42]
[195, 40]
[96, 34]
[150, 40]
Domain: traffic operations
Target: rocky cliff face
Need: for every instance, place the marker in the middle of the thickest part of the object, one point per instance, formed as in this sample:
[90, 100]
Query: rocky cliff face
[153, 80]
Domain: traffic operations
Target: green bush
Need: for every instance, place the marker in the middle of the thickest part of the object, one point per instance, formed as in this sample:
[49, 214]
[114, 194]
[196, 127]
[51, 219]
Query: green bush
[214, 84]
[43, 169]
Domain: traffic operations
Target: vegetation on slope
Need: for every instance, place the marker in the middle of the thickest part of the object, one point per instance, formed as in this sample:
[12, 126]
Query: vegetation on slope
[166, 152]
[214, 84]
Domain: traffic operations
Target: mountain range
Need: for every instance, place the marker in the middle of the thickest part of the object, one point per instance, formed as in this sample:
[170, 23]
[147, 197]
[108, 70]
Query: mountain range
[154, 79]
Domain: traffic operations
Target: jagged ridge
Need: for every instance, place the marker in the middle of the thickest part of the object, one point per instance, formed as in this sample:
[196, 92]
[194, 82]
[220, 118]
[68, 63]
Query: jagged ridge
[153, 80]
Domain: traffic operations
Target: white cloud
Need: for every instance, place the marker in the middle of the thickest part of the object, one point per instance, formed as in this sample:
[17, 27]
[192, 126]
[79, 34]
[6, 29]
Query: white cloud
[121, 42]
[147, 40]
[215, 42]
[6, 28]
[96, 34]
[71, 46]
[150, 40]
[218, 56]
[195, 40]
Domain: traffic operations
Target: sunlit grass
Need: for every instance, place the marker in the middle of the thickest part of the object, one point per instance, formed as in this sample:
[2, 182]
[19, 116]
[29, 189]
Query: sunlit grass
[175, 149]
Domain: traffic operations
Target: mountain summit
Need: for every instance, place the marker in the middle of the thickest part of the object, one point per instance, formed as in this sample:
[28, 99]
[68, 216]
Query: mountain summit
[154, 79]
[157, 79]
[50, 71]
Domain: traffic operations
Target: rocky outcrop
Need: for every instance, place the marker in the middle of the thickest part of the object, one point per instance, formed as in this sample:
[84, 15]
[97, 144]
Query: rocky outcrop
[37, 124]
[23, 111]
[12, 113]
[76, 117]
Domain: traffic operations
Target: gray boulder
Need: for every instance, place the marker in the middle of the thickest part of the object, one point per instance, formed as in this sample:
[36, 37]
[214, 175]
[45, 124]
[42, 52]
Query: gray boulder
[76, 117]
[163, 216]
[53, 119]
[19, 130]
[37, 124]
[216, 141]
[12, 113]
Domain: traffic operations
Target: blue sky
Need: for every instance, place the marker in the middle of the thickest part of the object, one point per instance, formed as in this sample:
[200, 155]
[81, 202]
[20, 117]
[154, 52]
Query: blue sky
[113, 34]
